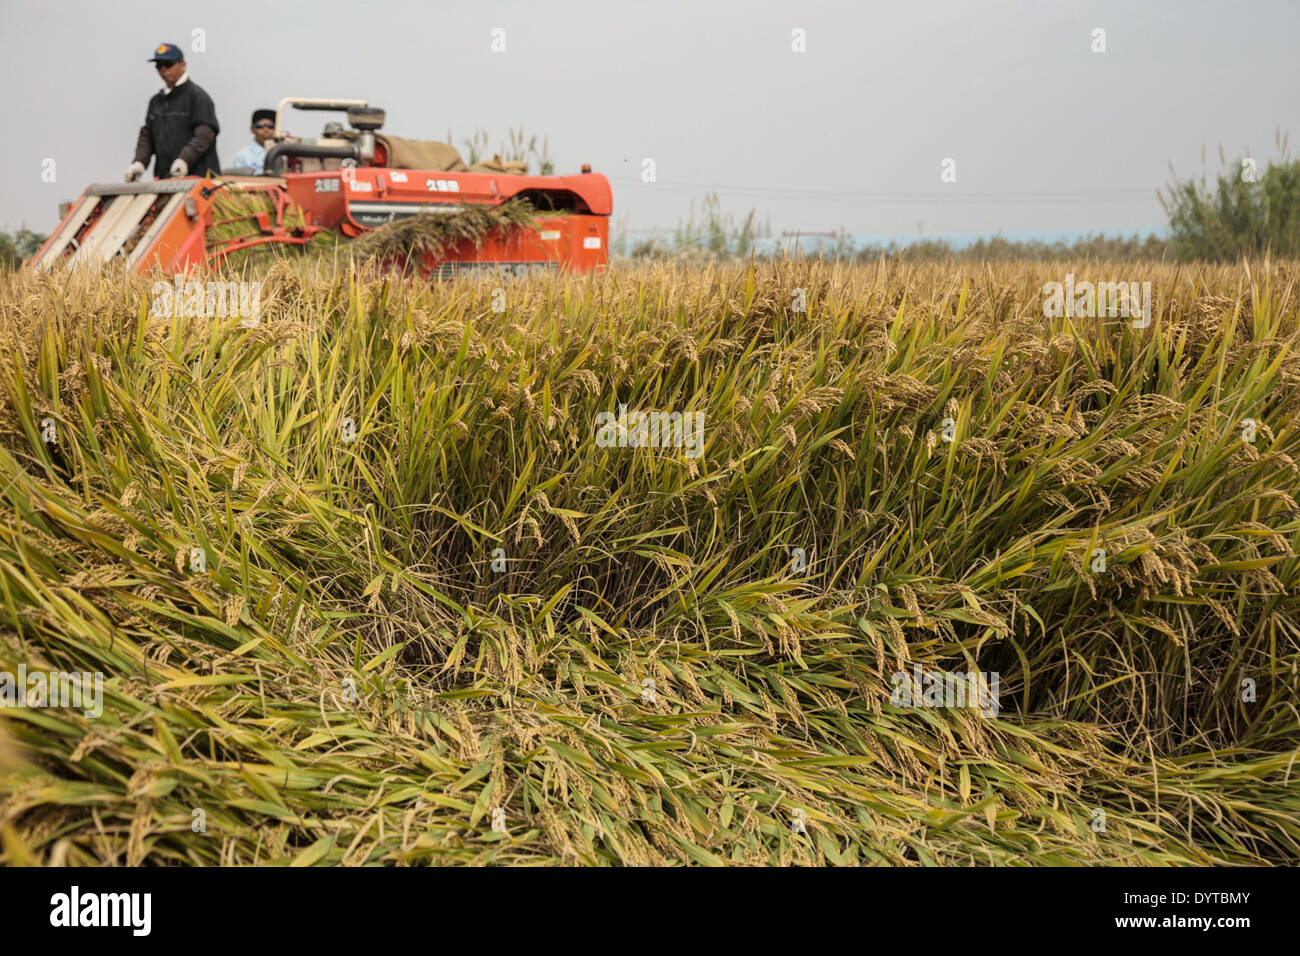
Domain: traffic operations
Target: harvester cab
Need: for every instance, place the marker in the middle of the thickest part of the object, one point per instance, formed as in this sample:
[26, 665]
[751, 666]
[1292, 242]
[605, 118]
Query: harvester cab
[346, 183]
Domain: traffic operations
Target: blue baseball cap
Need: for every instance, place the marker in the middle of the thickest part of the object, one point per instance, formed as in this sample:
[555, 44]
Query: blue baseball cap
[166, 52]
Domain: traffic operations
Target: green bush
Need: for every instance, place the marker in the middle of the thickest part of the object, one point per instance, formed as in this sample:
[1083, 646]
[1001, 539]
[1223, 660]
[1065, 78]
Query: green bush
[1241, 215]
[17, 247]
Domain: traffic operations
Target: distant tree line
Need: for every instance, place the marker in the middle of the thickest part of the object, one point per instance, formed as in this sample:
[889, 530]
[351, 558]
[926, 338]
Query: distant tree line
[997, 249]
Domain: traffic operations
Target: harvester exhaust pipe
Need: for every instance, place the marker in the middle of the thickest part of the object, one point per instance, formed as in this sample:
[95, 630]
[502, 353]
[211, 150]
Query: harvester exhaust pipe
[362, 117]
[277, 156]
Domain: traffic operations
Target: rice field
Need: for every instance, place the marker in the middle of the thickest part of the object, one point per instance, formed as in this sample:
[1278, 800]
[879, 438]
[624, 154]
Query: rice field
[366, 586]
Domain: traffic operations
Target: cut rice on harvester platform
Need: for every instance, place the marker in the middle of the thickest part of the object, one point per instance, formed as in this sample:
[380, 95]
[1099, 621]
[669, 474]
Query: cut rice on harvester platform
[235, 220]
[402, 242]
[430, 234]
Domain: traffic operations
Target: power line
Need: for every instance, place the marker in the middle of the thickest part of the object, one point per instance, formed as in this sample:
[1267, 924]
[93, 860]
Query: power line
[830, 195]
[681, 184]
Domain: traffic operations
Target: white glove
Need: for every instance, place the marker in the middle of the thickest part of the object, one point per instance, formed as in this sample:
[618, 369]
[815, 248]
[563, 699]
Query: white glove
[180, 168]
[134, 171]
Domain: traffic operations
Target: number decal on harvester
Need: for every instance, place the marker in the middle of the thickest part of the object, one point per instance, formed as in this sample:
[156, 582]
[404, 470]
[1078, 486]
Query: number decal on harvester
[442, 185]
[327, 185]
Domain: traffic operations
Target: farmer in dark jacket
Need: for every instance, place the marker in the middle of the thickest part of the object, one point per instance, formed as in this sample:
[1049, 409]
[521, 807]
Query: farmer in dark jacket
[180, 127]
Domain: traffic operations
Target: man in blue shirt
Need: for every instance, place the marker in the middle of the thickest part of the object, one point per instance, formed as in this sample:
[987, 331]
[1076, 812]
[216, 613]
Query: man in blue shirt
[254, 154]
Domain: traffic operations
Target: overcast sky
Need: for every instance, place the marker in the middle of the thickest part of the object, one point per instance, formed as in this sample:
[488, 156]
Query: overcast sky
[1045, 133]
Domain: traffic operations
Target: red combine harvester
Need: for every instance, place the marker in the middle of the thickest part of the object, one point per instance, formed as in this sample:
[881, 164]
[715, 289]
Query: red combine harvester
[348, 181]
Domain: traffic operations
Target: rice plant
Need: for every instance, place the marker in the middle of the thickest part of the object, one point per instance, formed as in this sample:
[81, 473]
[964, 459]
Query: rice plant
[367, 586]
